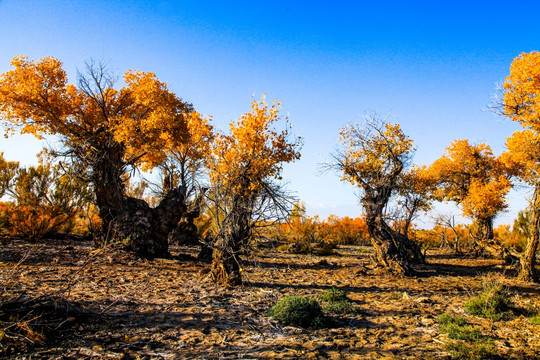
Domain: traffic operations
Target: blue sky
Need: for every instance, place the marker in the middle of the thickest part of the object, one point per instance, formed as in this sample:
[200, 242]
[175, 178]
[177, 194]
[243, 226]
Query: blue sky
[432, 66]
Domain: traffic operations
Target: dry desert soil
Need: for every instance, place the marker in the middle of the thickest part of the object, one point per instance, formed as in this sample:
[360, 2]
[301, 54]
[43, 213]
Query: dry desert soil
[63, 299]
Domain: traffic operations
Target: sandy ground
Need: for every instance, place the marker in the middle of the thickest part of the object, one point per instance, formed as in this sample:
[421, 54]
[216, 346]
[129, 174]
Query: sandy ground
[67, 300]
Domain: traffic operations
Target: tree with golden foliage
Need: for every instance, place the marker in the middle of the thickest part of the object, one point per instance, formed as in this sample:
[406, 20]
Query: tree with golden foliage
[374, 158]
[243, 169]
[523, 158]
[521, 102]
[475, 179]
[108, 130]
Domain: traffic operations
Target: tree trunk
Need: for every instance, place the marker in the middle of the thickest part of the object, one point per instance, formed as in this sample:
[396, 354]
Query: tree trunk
[393, 251]
[225, 262]
[146, 230]
[234, 233]
[185, 232]
[486, 245]
[528, 259]
[107, 170]
[129, 220]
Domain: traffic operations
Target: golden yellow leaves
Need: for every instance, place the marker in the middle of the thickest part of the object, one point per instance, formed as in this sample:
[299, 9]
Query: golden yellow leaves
[372, 153]
[473, 177]
[253, 151]
[485, 200]
[147, 119]
[521, 103]
[34, 97]
[522, 91]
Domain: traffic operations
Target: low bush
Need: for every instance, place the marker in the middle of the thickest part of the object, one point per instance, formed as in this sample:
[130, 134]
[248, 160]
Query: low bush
[298, 311]
[474, 351]
[457, 328]
[335, 301]
[325, 248]
[493, 302]
[334, 295]
[469, 342]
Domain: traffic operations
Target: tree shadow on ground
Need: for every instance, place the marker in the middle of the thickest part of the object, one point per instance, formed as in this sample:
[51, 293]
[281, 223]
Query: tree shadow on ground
[315, 265]
[455, 270]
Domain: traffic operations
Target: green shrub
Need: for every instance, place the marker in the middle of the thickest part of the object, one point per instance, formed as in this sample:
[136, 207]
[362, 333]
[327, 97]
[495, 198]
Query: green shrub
[334, 295]
[492, 303]
[446, 319]
[335, 301]
[474, 351]
[364, 250]
[465, 332]
[341, 307]
[457, 328]
[298, 311]
[535, 320]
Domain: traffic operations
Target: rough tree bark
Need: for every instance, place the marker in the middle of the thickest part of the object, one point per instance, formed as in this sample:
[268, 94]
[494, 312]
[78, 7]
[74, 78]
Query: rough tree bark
[486, 245]
[225, 262]
[393, 250]
[185, 232]
[235, 231]
[528, 259]
[143, 229]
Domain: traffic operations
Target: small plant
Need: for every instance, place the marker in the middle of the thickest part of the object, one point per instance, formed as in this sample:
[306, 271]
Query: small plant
[469, 344]
[395, 295]
[457, 328]
[446, 318]
[474, 351]
[493, 302]
[334, 295]
[341, 307]
[298, 311]
[297, 248]
[335, 301]
[535, 320]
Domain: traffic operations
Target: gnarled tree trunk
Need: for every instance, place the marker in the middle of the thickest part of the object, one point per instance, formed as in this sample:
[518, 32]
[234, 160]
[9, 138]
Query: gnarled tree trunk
[225, 262]
[129, 220]
[235, 231]
[145, 230]
[528, 259]
[486, 245]
[393, 250]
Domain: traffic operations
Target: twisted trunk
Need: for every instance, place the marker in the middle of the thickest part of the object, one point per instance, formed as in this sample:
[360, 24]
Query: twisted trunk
[393, 250]
[486, 245]
[129, 220]
[235, 231]
[528, 259]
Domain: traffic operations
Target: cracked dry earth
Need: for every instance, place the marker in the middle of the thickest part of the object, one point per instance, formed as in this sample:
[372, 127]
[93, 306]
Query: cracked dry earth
[67, 300]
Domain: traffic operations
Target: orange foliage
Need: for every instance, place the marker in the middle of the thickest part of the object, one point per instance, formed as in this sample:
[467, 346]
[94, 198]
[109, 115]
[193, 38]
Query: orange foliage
[30, 222]
[510, 238]
[144, 116]
[522, 91]
[253, 152]
[345, 230]
[370, 156]
[336, 230]
[473, 177]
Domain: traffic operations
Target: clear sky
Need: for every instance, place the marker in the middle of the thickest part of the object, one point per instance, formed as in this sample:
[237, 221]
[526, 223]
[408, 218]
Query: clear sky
[432, 66]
